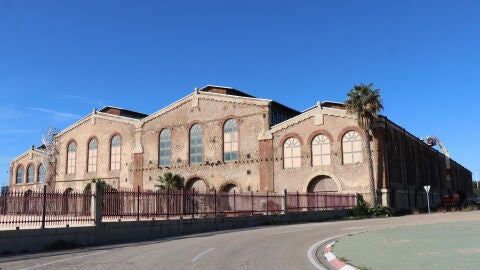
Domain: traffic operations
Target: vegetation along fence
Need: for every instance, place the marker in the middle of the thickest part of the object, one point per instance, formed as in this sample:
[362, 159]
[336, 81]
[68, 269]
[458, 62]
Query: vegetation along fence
[50, 208]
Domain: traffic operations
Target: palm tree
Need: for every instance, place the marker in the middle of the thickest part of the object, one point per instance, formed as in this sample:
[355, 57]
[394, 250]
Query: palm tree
[365, 103]
[169, 181]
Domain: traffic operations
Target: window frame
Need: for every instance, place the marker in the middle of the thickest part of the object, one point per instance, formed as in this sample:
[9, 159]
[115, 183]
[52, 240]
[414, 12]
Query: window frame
[349, 139]
[71, 158]
[321, 155]
[165, 148]
[92, 156]
[290, 158]
[230, 140]
[196, 148]
[115, 156]
[22, 175]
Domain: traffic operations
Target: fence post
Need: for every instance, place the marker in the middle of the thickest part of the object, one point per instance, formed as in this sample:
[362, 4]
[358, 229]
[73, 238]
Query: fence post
[44, 209]
[284, 201]
[138, 203]
[215, 203]
[298, 202]
[234, 204]
[168, 203]
[193, 203]
[96, 209]
[252, 200]
[267, 203]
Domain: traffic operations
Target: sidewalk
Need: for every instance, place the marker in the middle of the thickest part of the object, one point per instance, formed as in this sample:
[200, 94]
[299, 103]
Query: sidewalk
[454, 245]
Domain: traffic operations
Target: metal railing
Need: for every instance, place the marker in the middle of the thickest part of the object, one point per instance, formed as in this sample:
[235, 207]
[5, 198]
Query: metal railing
[313, 201]
[166, 204]
[44, 207]
[34, 209]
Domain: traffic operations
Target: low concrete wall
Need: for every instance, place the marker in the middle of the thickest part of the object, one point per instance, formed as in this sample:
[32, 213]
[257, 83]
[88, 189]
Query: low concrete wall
[134, 231]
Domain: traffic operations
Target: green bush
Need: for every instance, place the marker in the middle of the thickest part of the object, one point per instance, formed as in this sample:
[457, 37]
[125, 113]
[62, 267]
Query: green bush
[363, 209]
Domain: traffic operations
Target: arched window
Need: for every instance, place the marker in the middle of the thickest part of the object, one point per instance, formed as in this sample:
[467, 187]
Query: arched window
[352, 148]
[115, 150]
[92, 155]
[71, 157]
[30, 174]
[19, 178]
[165, 148]
[42, 173]
[320, 151]
[291, 153]
[230, 140]
[196, 149]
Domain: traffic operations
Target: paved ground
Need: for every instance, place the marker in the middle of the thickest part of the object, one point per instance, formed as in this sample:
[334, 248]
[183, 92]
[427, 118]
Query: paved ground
[451, 245]
[274, 247]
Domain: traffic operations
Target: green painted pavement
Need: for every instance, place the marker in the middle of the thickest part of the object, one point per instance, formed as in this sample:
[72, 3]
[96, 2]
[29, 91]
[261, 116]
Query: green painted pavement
[453, 245]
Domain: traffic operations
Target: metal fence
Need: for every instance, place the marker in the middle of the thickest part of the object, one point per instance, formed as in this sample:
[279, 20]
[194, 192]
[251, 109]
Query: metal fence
[40, 208]
[34, 209]
[313, 201]
[166, 204]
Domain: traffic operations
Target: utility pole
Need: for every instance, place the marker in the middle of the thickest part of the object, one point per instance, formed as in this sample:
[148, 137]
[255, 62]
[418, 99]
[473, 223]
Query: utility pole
[478, 192]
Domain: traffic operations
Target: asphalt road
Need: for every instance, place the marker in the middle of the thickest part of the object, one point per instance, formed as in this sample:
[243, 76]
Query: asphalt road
[273, 247]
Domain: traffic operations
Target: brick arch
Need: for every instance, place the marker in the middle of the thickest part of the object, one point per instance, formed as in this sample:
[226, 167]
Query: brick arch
[227, 184]
[191, 181]
[288, 136]
[319, 132]
[321, 173]
[350, 128]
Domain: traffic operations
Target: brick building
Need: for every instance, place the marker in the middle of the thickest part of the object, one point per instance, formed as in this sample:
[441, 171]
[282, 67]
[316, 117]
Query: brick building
[221, 138]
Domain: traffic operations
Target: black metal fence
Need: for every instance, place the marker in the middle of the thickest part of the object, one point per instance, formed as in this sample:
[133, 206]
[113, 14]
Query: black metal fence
[44, 207]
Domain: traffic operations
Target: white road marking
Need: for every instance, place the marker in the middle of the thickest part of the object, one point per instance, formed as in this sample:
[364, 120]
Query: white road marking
[354, 228]
[66, 259]
[202, 253]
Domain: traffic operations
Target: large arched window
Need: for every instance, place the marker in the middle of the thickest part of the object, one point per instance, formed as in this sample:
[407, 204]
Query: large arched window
[30, 174]
[196, 146]
[42, 173]
[165, 148]
[71, 157]
[352, 148]
[115, 150]
[320, 151]
[19, 176]
[230, 140]
[92, 155]
[291, 153]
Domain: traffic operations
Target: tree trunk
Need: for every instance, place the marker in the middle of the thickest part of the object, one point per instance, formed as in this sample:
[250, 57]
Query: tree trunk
[373, 190]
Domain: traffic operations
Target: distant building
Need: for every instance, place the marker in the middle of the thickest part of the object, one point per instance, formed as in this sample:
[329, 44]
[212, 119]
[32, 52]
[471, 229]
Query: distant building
[221, 138]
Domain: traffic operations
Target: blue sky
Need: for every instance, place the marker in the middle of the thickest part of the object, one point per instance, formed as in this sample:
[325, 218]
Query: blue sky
[61, 59]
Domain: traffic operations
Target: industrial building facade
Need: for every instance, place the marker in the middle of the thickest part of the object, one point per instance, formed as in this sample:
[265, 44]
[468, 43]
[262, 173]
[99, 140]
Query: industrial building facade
[221, 138]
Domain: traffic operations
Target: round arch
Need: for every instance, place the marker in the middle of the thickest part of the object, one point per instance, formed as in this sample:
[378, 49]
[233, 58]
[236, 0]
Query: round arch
[198, 184]
[229, 186]
[329, 179]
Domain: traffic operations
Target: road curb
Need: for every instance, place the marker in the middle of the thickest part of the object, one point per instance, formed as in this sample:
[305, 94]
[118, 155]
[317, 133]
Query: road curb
[334, 262]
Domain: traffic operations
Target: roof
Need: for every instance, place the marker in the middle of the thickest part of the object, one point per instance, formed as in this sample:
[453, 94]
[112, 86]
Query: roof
[123, 112]
[224, 90]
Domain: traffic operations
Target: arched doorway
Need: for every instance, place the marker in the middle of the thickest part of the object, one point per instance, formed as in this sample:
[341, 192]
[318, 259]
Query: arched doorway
[226, 198]
[197, 184]
[66, 201]
[230, 188]
[318, 189]
[322, 183]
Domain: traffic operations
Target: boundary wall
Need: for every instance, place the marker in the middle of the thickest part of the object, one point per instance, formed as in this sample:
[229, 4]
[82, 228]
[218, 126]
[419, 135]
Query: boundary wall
[34, 240]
